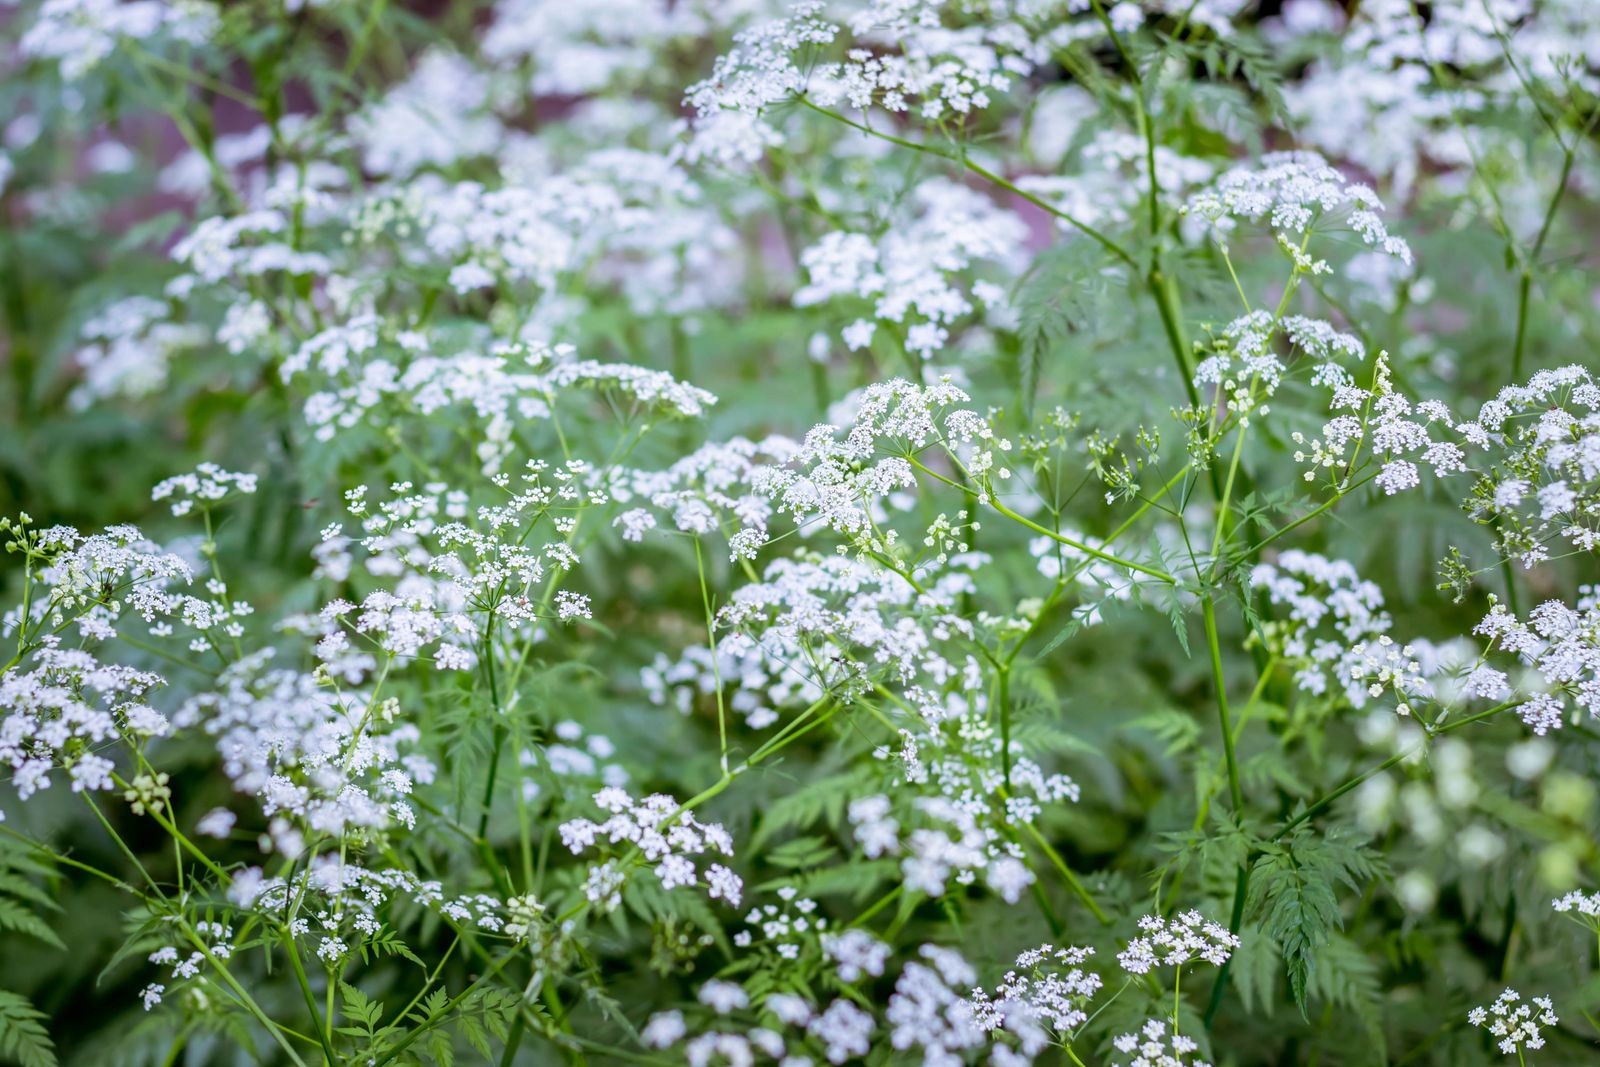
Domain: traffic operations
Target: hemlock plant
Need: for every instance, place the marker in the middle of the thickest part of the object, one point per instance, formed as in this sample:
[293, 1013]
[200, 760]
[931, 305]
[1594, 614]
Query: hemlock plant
[903, 531]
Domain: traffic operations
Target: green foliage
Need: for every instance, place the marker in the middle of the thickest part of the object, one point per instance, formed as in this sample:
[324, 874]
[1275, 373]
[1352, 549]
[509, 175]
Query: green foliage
[23, 1038]
[1294, 888]
[820, 801]
[1015, 680]
[1064, 303]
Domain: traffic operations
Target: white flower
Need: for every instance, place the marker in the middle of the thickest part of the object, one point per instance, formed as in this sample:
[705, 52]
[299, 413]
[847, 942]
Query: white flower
[1187, 936]
[723, 997]
[1516, 1025]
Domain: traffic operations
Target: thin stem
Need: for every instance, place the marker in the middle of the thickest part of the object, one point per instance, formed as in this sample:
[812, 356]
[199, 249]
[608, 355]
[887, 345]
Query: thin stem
[1004, 701]
[1066, 874]
[1308, 516]
[1209, 607]
[1321, 803]
[439, 1017]
[711, 640]
[1524, 286]
[1089, 231]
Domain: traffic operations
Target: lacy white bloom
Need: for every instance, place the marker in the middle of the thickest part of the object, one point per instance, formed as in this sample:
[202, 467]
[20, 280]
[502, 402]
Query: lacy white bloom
[1295, 191]
[664, 834]
[1152, 1046]
[1173, 943]
[1515, 1025]
[207, 485]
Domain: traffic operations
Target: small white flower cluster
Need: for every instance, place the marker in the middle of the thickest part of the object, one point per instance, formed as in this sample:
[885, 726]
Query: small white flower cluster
[1583, 907]
[906, 274]
[904, 57]
[208, 484]
[574, 50]
[1246, 369]
[188, 961]
[1051, 989]
[712, 489]
[1516, 1026]
[319, 760]
[1153, 1046]
[759, 71]
[338, 902]
[61, 708]
[513, 383]
[454, 568]
[787, 928]
[1296, 192]
[1544, 486]
[856, 954]
[94, 579]
[876, 622]
[925, 1013]
[431, 119]
[1186, 937]
[951, 71]
[129, 346]
[664, 835]
[1336, 634]
[1562, 644]
[1371, 96]
[82, 34]
[843, 483]
[963, 809]
[957, 846]
[841, 1031]
[1384, 423]
[241, 248]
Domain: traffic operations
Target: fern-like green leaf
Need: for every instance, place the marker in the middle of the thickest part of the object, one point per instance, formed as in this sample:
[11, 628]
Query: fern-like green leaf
[823, 800]
[17, 917]
[1293, 894]
[1346, 977]
[23, 1038]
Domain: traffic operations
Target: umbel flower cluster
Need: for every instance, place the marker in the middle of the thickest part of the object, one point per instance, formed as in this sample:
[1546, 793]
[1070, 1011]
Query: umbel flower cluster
[948, 532]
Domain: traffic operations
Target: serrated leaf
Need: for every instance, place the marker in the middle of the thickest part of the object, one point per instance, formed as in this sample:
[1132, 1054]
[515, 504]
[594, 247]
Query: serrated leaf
[23, 1038]
[17, 918]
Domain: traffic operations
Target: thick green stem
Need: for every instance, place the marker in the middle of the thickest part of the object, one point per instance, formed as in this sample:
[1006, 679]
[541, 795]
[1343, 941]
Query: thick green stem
[304, 983]
[1165, 295]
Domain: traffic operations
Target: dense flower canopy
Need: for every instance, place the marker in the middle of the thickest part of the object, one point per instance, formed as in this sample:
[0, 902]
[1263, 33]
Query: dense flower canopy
[799, 531]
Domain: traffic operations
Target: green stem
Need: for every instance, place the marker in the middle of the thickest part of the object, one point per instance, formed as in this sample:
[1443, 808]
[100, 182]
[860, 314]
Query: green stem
[1209, 607]
[311, 1000]
[1322, 802]
[711, 640]
[1153, 572]
[439, 1017]
[1165, 295]
[1089, 231]
[1066, 874]
[1524, 285]
[1005, 723]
